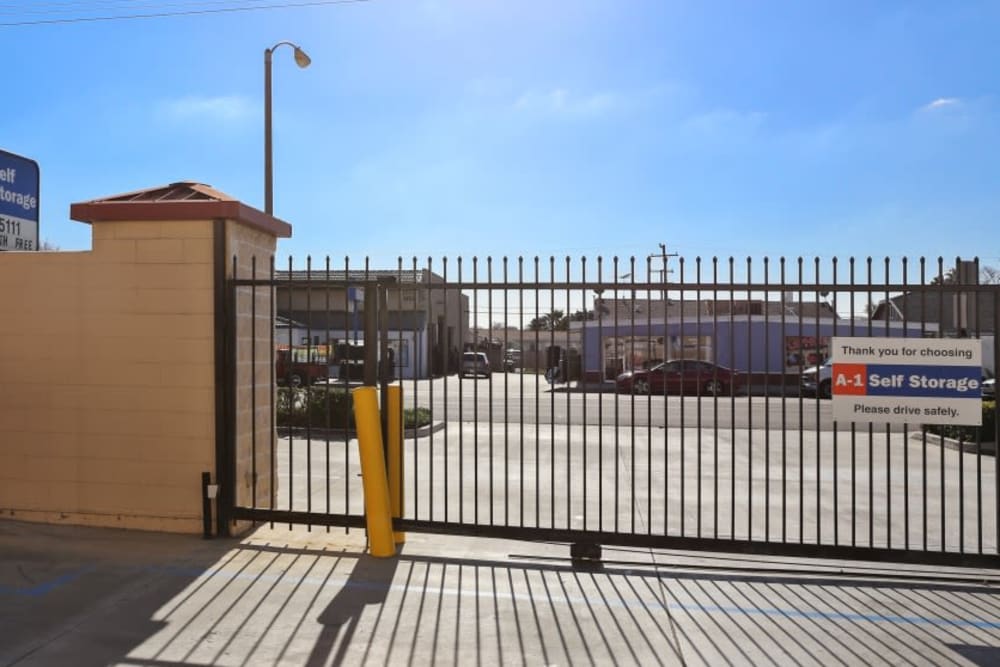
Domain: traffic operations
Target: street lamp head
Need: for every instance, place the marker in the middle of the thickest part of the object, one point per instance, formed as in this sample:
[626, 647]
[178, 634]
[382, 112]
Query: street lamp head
[301, 58]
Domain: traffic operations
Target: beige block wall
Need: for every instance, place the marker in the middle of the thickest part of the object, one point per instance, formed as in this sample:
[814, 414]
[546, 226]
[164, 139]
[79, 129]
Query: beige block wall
[255, 431]
[107, 399]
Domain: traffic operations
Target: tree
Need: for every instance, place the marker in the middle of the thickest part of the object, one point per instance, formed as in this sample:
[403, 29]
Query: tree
[947, 279]
[553, 321]
[988, 275]
[581, 316]
[557, 321]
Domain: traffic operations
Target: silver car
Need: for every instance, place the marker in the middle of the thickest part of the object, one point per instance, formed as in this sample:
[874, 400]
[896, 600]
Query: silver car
[475, 364]
[817, 381]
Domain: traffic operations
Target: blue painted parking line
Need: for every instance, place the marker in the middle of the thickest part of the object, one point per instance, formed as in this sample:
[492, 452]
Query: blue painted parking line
[46, 587]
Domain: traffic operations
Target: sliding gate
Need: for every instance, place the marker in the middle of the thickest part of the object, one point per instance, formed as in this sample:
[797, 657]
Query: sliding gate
[610, 403]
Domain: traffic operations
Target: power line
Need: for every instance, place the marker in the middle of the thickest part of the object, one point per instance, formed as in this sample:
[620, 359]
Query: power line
[82, 8]
[188, 12]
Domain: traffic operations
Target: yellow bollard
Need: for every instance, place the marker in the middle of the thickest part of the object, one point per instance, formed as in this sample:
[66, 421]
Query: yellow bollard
[395, 456]
[373, 478]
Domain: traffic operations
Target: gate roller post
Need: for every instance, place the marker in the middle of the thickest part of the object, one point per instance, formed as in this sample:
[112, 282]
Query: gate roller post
[394, 407]
[373, 477]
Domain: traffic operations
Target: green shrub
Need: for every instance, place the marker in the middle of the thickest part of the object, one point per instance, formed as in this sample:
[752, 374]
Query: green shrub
[970, 433]
[329, 408]
[416, 417]
[315, 407]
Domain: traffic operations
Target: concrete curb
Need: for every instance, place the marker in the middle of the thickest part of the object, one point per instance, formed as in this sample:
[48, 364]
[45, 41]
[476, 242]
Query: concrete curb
[970, 447]
[423, 431]
[341, 434]
[609, 388]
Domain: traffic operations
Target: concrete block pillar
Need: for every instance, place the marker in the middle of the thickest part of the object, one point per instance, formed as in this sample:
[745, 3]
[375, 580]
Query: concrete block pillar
[111, 379]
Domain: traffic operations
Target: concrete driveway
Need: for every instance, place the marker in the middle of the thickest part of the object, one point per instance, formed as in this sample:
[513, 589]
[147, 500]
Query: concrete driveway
[86, 596]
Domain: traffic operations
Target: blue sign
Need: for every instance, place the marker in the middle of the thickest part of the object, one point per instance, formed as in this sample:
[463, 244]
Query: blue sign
[19, 192]
[907, 380]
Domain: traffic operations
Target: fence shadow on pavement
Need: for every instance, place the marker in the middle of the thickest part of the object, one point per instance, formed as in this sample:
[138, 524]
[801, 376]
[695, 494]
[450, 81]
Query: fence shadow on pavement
[367, 587]
[492, 607]
[314, 597]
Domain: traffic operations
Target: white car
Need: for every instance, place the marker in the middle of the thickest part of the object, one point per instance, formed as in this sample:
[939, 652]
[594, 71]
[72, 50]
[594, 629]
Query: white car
[475, 364]
[818, 380]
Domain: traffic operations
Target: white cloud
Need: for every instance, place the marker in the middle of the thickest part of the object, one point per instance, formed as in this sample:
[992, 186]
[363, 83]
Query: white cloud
[942, 103]
[212, 109]
[559, 101]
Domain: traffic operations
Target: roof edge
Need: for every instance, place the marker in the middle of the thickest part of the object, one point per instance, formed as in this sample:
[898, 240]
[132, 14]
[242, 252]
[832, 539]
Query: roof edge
[139, 211]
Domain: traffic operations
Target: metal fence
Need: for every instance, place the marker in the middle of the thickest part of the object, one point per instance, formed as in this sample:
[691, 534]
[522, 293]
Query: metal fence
[575, 433]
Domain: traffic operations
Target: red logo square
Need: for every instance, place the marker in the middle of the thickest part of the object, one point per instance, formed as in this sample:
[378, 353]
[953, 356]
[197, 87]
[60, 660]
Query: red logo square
[850, 379]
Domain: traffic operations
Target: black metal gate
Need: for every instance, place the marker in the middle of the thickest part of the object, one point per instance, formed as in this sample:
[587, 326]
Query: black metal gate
[611, 403]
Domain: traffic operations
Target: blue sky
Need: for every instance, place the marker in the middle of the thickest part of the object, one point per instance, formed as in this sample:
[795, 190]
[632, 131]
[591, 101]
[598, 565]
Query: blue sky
[434, 128]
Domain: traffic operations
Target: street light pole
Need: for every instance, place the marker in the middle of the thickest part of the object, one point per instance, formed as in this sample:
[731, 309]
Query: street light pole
[302, 60]
[268, 168]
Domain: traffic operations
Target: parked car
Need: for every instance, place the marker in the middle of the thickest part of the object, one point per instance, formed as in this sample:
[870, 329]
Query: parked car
[818, 380]
[475, 364]
[990, 389]
[688, 376]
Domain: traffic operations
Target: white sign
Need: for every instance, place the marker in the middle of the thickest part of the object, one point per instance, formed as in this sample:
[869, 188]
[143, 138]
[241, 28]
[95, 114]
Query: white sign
[907, 380]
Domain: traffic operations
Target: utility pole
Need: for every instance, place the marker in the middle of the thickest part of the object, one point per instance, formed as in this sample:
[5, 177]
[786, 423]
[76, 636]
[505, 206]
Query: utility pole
[664, 271]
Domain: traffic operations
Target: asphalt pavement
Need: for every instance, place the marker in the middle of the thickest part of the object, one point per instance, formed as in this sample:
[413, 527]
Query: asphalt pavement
[527, 398]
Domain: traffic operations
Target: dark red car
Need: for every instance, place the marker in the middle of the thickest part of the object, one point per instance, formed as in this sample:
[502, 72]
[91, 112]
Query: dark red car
[688, 376]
